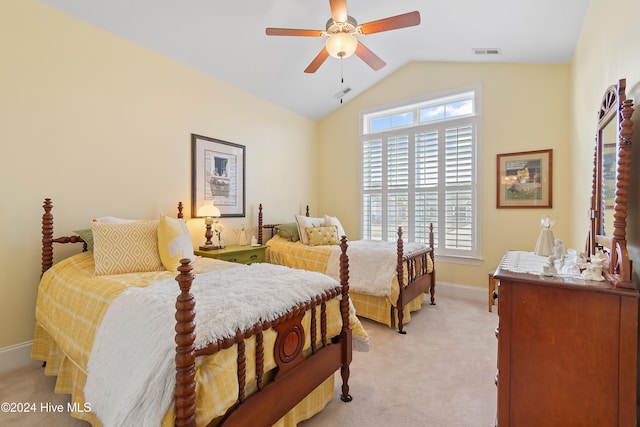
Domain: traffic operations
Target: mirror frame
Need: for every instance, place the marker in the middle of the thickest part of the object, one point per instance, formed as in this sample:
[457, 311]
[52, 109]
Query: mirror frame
[614, 106]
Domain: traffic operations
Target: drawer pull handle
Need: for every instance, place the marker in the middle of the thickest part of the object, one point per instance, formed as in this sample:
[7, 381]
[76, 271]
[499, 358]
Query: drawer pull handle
[254, 256]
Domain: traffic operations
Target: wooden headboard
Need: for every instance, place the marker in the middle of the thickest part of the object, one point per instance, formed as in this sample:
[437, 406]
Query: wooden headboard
[270, 227]
[48, 240]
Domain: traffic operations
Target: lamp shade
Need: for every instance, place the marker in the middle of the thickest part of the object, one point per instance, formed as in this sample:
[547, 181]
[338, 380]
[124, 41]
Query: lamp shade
[209, 210]
[341, 45]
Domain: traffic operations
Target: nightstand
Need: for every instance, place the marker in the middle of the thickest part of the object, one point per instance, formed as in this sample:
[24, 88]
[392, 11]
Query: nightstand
[239, 254]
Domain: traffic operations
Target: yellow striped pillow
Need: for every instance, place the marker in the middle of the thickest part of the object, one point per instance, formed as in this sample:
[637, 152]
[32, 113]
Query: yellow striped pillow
[322, 235]
[126, 248]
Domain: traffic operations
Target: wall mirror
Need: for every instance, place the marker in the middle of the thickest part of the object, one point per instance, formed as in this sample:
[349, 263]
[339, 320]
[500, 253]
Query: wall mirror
[611, 180]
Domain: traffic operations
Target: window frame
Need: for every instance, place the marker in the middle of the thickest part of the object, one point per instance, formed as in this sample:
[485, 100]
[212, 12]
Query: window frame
[472, 256]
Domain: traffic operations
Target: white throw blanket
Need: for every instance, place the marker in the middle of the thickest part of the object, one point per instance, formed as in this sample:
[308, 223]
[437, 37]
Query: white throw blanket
[130, 375]
[372, 265]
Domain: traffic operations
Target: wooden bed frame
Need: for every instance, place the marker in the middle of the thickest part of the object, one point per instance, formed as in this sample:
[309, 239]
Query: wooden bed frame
[296, 375]
[418, 279]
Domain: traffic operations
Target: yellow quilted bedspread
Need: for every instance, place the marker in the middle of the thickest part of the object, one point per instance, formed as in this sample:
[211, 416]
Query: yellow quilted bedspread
[71, 304]
[298, 255]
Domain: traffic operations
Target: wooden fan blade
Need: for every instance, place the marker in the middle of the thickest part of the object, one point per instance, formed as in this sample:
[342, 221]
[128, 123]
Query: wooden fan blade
[371, 59]
[293, 32]
[317, 61]
[338, 10]
[392, 23]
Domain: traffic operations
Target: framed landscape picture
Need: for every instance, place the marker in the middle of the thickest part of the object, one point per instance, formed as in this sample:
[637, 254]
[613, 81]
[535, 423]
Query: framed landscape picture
[524, 179]
[218, 175]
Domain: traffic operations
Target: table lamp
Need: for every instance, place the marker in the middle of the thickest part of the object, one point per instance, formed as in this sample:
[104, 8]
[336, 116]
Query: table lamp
[210, 214]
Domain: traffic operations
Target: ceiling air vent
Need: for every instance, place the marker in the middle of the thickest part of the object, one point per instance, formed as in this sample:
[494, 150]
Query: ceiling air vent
[487, 51]
[342, 93]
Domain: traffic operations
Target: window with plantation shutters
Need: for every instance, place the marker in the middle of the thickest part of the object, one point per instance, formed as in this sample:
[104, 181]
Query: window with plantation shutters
[421, 170]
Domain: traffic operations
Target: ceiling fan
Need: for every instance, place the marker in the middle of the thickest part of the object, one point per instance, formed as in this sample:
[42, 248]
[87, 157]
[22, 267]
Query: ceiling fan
[341, 30]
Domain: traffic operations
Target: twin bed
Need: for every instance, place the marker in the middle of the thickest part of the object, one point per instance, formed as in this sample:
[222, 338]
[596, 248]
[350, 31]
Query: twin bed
[387, 282]
[126, 344]
[255, 354]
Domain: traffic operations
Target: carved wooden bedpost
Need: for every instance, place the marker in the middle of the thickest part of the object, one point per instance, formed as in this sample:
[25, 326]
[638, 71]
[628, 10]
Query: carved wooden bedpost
[260, 224]
[47, 236]
[346, 335]
[185, 348]
[180, 207]
[399, 270]
[432, 254]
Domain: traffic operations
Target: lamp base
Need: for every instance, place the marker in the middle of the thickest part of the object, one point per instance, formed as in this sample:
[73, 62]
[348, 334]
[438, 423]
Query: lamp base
[209, 247]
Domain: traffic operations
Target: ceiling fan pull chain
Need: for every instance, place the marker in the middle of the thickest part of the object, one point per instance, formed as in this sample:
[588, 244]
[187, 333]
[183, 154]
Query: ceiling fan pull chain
[341, 77]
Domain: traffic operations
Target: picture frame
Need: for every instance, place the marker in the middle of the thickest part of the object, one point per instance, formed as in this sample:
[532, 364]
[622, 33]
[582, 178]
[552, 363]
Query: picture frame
[217, 176]
[525, 179]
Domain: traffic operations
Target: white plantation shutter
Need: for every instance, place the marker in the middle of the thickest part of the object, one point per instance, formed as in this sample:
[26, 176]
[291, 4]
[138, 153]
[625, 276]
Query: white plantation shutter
[372, 164]
[372, 186]
[398, 184]
[459, 179]
[398, 162]
[426, 185]
[421, 174]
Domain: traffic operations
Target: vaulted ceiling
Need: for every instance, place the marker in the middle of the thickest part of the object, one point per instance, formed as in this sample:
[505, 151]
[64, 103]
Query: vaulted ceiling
[227, 40]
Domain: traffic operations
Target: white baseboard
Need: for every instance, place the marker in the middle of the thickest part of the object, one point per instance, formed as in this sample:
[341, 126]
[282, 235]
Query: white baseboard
[454, 290]
[15, 357]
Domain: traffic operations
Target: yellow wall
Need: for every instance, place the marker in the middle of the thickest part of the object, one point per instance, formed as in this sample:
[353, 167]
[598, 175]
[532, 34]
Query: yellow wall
[524, 107]
[103, 127]
[608, 49]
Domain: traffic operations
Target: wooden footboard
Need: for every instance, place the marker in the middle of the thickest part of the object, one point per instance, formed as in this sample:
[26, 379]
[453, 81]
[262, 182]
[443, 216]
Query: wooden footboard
[419, 278]
[296, 375]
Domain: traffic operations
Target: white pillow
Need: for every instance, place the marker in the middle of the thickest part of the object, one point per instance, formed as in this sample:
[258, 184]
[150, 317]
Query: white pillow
[332, 220]
[304, 222]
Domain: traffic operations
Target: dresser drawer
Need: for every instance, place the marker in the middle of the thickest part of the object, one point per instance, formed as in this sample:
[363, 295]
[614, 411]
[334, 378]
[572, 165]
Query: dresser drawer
[243, 257]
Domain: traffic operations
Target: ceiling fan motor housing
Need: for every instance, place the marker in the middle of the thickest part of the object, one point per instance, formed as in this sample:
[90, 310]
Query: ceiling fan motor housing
[349, 26]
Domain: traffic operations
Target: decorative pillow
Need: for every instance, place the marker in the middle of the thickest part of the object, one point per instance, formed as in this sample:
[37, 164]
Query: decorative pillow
[174, 242]
[332, 220]
[288, 231]
[126, 248]
[322, 235]
[304, 222]
[87, 236]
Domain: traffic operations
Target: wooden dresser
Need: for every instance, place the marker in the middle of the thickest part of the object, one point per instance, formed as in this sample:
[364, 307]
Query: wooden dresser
[567, 351]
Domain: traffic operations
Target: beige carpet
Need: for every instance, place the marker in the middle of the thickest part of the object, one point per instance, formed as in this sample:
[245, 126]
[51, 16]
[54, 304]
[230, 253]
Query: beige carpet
[439, 374]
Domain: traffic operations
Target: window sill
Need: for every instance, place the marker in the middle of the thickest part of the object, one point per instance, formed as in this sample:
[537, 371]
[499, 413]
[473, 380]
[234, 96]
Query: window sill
[463, 260]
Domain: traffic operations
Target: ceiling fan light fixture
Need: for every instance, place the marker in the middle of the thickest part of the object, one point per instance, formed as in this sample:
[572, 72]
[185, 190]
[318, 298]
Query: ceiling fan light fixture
[341, 45]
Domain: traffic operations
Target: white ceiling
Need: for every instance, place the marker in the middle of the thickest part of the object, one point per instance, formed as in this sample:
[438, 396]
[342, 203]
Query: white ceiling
[226, 39]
